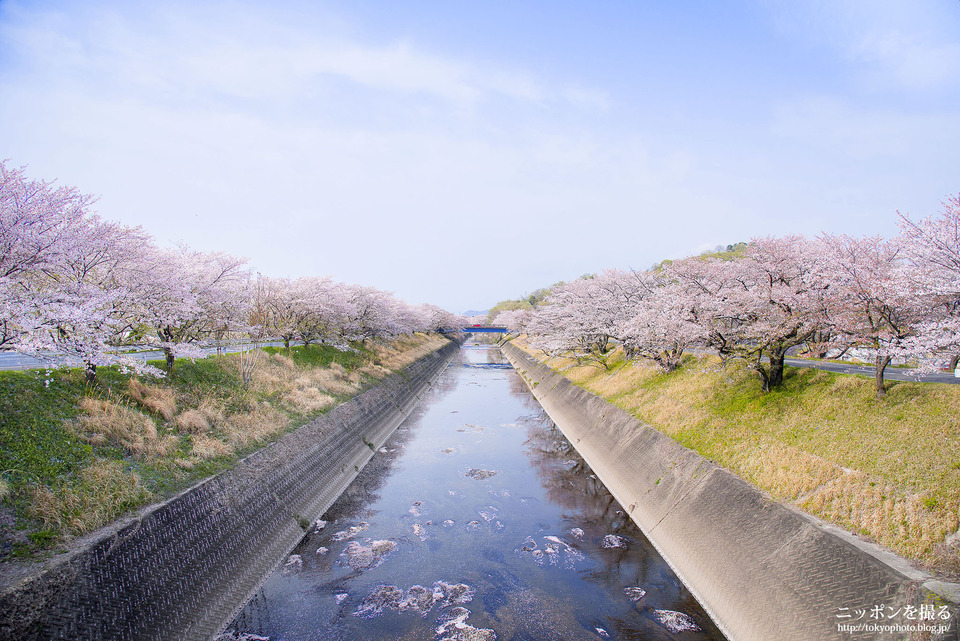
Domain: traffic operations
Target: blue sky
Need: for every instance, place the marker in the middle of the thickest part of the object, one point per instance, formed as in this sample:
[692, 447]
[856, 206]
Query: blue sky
[461, 153]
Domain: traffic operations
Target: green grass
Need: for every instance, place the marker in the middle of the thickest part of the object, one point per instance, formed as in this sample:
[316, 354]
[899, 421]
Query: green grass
[323, 355]
[33, 443]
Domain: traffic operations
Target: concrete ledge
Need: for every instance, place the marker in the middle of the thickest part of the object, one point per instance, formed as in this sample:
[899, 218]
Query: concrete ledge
[761, 569]
[182, 569]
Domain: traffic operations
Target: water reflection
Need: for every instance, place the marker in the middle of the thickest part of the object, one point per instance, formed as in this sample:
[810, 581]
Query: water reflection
[477, 520]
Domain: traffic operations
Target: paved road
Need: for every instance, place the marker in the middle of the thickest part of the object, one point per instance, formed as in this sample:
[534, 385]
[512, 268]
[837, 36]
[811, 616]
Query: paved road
[889, 374]
[15, 361]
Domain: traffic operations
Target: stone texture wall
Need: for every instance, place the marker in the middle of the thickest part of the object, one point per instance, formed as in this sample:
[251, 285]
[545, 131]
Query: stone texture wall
[182, 569]
[761, 569]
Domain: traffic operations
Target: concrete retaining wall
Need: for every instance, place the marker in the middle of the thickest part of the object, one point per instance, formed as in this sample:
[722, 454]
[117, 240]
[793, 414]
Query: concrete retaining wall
[180, 570]
[761, 569]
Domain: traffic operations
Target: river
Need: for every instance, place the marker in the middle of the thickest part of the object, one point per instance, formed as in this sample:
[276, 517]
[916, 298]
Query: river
[476, 521]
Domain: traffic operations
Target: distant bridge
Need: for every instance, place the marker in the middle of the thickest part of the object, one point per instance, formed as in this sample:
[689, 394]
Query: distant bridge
[480, 329]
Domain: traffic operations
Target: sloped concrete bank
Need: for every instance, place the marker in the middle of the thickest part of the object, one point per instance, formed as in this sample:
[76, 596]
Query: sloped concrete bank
[181, 569]
[761, 569]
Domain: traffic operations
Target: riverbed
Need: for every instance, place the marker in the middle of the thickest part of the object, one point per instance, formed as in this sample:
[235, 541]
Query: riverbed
[477, 520]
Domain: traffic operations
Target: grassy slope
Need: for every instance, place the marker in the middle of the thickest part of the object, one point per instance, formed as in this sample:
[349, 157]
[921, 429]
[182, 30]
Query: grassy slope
[888, 469]
[74, 457]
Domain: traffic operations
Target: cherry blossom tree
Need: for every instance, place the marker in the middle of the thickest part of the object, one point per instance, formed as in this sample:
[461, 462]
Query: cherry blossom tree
[371, 313]
[61, 275]
[515, 320]
[303, 308]
[584, 317]
[930, 249]
[664, 324]
[328, 309]
[573, 319]
[869, 301]
[404, 318]
[436, 318]
[38, 225]
[758, 306]
[185, 296]
[86, 307]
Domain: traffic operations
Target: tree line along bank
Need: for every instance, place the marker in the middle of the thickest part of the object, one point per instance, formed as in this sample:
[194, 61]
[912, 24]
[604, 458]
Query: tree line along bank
[889, 298]
[74, 288]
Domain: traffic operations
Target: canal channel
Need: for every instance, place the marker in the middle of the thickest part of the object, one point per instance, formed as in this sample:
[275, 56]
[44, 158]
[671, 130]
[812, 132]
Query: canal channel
[477, 520]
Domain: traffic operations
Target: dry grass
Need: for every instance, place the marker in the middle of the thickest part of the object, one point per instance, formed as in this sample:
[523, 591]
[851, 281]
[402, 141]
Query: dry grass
[284, 361]
[105, 491]
[888, 469]
[308, 400]
[897, 518]
[406, 350]
[212, 410]
[206, 447]
[156, 399]
[297, 391]
[333, 379]
[258, 424]
[272, 376]
[192, 422]
[375, 371]
[108, 423]
[303, 390]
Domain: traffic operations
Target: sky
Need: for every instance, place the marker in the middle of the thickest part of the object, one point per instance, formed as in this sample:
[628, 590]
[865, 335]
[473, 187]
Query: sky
[461, 153]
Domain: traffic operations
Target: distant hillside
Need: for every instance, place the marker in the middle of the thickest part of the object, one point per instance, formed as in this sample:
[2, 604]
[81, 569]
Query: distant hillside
[475, 312]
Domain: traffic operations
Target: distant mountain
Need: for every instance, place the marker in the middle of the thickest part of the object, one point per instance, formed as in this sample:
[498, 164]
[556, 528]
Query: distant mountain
[476, 312]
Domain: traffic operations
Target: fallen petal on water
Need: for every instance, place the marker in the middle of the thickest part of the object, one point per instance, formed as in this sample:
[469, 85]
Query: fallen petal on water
[481, 474]
[613, 541]
[293, 565]
[350, 532]
[635, 593]
[676, 621]
[365, 557]
[383, 596]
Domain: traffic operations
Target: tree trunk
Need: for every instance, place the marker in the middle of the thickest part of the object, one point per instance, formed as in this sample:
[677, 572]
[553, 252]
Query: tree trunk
[776, 368]
[772, 374]
[90, 372]
[954, 361]
[882, 362]
[170, 359]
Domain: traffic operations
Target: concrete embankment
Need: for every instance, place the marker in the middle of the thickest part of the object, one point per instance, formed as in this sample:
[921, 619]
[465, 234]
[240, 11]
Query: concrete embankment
[182, 569]
[763, 570]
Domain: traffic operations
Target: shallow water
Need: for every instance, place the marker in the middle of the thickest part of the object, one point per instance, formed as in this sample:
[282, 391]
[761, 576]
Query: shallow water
[477, 520]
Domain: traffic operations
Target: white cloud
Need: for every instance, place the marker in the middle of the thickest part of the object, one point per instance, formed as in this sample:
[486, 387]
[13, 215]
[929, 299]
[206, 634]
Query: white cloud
[912, 62]
[888, 43]
[175, 55]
